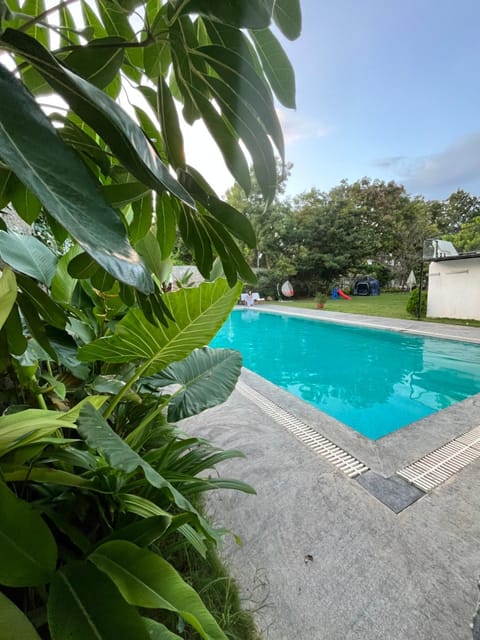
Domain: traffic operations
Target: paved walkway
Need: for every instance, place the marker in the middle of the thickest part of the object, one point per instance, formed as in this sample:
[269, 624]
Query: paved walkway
[322, 558]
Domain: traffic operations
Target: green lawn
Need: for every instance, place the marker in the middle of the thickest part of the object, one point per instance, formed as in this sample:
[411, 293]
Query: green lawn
[388, 305]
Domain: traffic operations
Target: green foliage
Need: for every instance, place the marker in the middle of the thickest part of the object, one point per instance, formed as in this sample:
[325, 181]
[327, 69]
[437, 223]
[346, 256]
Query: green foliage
[96, 361]
[267, 281]
[415, 301]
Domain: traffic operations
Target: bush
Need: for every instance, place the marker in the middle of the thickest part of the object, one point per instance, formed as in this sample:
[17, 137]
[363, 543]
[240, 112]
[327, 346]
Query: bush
[267, 282]
[412, 304]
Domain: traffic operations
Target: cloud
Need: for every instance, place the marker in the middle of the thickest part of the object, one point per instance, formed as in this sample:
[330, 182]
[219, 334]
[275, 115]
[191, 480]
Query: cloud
[393, 162]
[296, 127]
[437, 175]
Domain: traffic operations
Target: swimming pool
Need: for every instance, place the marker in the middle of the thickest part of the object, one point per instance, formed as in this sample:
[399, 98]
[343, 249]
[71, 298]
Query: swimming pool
[373, 381]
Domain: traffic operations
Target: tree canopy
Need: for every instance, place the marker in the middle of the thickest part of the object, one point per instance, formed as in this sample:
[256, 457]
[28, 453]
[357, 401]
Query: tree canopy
[369, 226]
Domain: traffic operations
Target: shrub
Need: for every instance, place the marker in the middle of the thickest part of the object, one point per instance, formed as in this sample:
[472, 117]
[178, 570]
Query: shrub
[267, 283]
[98, 487]
[412, 304]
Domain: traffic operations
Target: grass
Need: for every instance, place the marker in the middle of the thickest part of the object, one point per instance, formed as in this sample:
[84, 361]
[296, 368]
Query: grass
[386, 305]
[219, 592]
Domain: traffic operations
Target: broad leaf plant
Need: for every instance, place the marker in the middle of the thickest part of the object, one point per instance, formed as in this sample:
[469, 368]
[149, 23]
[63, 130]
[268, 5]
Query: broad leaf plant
[98, 486]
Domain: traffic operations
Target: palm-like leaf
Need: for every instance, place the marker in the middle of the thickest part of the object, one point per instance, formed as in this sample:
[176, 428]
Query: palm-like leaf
[199, 313]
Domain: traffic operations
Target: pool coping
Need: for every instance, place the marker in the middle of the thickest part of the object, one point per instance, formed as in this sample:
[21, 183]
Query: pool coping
[400, 448]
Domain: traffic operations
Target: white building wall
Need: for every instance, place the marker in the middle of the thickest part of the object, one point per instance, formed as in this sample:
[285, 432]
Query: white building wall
[454, 289]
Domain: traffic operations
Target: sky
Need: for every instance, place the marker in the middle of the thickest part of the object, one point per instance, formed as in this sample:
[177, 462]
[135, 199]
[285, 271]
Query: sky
[386, 89]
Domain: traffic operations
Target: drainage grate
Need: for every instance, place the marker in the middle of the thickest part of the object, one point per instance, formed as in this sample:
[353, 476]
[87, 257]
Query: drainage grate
[436, 467]
[303, 432]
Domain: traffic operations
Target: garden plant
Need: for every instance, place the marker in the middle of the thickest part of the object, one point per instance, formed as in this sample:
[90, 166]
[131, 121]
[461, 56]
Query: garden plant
[98, 486]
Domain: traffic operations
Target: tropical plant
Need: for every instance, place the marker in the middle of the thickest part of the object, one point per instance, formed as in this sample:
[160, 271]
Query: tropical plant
[98, 487]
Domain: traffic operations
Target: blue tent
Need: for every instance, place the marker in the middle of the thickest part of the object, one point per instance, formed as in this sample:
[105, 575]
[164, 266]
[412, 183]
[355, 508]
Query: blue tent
[366, 286]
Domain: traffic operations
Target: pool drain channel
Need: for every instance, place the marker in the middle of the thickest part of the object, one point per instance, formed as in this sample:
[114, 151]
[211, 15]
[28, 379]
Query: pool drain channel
[303, 432]
[439, 465]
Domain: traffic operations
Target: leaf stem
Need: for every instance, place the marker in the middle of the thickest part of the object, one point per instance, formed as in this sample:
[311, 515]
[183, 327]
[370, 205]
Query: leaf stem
[41, 401]
[120, 395]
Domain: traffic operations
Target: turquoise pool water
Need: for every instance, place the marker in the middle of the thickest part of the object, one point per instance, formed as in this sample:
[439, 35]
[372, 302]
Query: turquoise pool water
[373, 381]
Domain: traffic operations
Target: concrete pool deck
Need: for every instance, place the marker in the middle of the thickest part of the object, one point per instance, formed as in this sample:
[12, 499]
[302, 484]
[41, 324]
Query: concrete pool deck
[322, 557]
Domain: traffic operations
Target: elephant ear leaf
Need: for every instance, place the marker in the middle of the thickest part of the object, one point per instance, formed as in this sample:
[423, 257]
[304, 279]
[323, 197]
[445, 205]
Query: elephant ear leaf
[34, 150]
[208, 377]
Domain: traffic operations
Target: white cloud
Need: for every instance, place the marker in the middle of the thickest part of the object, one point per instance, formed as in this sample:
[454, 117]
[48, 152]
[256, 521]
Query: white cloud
[438, 174]
[296, 127]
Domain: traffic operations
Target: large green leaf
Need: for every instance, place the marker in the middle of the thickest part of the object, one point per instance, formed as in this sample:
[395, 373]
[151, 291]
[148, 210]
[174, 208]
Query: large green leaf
[196, 238]
[8, 294]
[118, 195]
[51, 312]
[288, 17]
[27, 254]
[84, 604]
[32, 147]
[157, 59]
[29, 473]
[26, 204]
[226, 140]
[144, 532]
[250, 130]
[142, 216]
[86, 145]
[31, 425]
[253, 14]
[166, 211]
[98, 62]
[37, 327]
[14, 624]
[245, 82]
[17, 343]
[237, 223]
[148, 247]
[172, 134]
[109, 120]
[276, 65]
[28, 552]
[62, 283]
[157, 631]
[147, 580]
[199, 313]
[208, 377]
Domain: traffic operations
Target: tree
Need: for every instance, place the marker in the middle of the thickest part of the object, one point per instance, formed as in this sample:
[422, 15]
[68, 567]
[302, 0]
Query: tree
[325, 240]
[268, 219]
[467, 237]
[459, 208]
[97, 485]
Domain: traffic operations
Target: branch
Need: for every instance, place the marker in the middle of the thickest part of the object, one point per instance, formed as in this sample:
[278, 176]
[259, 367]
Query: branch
[26, 25]
[109, 45]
